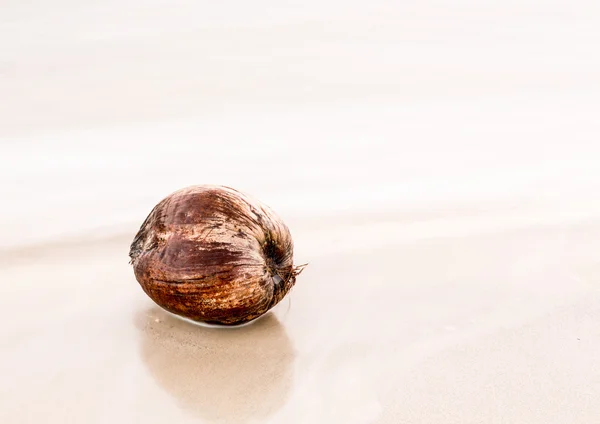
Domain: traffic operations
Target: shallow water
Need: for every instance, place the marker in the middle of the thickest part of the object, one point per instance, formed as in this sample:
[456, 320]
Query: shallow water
[437, 165]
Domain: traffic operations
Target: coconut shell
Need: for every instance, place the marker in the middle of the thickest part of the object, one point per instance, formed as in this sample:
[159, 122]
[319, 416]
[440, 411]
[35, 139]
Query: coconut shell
[214, 255]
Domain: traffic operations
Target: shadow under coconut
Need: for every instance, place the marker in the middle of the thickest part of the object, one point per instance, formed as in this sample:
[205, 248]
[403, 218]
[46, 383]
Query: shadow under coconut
[219, 374]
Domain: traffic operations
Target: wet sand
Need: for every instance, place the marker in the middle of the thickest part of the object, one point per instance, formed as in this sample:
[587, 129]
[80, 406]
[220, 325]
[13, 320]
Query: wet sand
[499, 326]
[437, 165]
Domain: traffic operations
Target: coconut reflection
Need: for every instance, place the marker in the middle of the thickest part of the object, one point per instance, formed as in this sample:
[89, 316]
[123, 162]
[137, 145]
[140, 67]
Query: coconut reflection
[219, 375]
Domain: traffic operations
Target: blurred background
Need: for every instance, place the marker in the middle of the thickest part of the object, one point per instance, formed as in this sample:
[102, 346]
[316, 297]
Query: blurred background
[315, 107]
[437, 162]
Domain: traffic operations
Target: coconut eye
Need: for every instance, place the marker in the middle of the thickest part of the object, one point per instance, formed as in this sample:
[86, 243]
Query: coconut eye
[277, 281]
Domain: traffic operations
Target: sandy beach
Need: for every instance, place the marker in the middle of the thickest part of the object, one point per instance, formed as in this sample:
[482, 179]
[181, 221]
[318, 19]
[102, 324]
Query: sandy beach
[437, 166]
